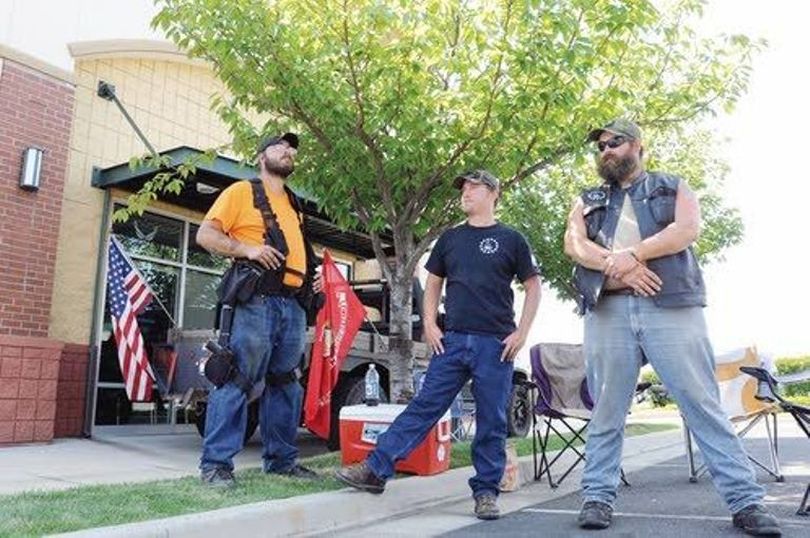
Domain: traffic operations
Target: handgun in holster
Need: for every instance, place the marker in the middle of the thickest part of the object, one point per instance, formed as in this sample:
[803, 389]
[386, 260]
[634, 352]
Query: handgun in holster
[220, 367]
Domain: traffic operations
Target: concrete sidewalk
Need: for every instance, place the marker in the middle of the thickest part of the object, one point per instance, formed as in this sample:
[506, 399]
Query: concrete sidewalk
[67, 463]
[331, 512]
[425, 506]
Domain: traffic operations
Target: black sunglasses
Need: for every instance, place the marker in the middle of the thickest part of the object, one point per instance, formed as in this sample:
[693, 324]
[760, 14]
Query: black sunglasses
[611, 143]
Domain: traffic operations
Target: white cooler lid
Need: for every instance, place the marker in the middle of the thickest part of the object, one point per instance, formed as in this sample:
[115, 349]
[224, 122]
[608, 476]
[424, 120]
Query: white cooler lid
[377, 413]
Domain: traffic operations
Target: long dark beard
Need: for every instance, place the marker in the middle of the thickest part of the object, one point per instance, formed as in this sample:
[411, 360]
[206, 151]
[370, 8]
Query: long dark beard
[615, 170]
[278, 168]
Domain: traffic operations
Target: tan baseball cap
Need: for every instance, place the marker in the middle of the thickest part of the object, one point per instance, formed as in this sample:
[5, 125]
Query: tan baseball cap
[477, 176]
[619, 126]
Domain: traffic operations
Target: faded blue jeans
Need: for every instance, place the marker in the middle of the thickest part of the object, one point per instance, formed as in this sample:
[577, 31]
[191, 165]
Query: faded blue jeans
[619, 333]
[465, 356]
[268, 335]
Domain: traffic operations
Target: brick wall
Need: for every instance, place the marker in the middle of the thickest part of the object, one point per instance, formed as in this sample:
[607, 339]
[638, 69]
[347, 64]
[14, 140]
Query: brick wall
[35, 110]
[70, 391]
[29, 371]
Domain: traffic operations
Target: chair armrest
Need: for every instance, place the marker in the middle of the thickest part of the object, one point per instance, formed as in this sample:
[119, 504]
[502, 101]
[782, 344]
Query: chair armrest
[798, 377]
[766, 383]
[641, 387]
[526, 383]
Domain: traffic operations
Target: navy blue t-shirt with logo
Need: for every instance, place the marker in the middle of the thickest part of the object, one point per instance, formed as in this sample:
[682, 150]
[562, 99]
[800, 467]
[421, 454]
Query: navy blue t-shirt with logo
[479, 265]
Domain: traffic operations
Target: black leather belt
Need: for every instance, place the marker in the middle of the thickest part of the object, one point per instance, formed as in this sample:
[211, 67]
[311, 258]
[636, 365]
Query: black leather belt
[620, 291]
[285, 291]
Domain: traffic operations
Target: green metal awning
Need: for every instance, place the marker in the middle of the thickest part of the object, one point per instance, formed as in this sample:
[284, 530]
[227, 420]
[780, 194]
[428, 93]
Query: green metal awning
[211, 177]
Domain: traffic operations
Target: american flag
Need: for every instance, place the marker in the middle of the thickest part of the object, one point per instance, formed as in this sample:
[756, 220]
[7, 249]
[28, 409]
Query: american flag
[127, 295]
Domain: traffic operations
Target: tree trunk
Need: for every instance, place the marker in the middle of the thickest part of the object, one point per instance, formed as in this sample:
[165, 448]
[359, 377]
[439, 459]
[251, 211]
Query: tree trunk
[401, 342]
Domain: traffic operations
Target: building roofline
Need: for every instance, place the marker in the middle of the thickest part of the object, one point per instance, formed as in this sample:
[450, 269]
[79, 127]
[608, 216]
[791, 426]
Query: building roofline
[143, 49]
[32, 62]
[221, 165]
[120, 173]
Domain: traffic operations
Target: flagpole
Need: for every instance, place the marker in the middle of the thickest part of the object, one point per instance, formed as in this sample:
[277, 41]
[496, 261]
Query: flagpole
[374, 328]
[135, 268]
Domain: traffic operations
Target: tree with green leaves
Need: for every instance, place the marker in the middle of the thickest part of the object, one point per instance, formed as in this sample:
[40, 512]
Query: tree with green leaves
[394, 98]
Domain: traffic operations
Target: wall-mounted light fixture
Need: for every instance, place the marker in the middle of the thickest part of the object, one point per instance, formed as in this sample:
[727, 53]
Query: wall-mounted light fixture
[31, 169]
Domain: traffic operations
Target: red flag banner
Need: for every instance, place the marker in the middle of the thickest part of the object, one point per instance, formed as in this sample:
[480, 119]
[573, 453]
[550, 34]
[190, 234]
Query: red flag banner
[335, 328]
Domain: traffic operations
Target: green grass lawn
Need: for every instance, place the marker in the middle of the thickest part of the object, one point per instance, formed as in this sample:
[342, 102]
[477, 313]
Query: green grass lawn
[38, 513]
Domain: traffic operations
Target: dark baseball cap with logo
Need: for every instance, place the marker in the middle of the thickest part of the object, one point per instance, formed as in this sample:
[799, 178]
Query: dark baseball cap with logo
[477, 176]
[290, 138]
[619, 126]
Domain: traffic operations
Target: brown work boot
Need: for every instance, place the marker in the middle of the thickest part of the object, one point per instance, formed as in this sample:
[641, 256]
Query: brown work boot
[360, 476]
[486, 506]
[595, 515]
[218, 478]
[757, 521]
[297, 471]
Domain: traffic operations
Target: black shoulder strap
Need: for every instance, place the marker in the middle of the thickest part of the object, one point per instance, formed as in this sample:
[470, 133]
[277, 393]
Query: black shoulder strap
[272, 233]
[295, 202]
[296, 205]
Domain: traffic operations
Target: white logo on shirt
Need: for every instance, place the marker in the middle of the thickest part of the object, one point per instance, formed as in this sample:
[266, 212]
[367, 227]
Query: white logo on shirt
[488, 245]
[596, 196]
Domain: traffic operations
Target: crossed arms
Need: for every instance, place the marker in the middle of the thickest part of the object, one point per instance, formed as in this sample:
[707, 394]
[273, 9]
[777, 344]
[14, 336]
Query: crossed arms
[627, 266]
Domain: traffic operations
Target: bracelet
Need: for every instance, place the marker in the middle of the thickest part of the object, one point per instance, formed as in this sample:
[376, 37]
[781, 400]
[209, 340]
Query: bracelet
[634, 255]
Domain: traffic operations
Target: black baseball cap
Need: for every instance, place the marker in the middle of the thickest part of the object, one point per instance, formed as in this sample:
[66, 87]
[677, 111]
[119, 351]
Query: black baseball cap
[477, 176]
[290, 138]
[619, 126]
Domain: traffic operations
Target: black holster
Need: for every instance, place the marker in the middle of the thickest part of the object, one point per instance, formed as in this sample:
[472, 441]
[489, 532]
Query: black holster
[240, 282]
[220, 367]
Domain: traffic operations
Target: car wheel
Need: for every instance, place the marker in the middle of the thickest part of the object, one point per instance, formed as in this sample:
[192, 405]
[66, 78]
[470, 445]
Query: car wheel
[519, 414]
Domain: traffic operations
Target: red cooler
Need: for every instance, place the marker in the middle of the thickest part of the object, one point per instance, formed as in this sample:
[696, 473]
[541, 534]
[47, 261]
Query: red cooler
[360, 425]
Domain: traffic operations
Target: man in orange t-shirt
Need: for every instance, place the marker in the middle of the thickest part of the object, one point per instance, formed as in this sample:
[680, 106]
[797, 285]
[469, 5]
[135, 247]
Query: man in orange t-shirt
[268, 332]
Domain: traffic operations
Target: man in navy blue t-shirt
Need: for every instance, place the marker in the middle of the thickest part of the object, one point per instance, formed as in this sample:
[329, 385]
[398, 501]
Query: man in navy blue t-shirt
[479, 260]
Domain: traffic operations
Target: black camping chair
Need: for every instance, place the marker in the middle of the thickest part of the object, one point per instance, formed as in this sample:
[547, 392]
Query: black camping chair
[767, 391]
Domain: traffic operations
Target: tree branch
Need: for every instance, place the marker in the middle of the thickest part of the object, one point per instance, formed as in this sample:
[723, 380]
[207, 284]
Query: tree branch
[417, 202]
[423, 244]
[376, 241]
[359, 127]
[539, 165]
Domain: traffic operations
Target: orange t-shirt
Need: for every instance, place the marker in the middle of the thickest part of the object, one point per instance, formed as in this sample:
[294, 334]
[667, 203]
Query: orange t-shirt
[240, 220]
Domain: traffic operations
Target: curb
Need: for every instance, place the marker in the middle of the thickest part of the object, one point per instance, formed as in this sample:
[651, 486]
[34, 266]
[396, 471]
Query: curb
[331, 511]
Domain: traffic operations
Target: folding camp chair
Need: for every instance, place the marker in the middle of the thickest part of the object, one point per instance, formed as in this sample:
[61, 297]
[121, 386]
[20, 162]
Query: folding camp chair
[558, 375]
[462, 410]
[738, 399]
[767, 391]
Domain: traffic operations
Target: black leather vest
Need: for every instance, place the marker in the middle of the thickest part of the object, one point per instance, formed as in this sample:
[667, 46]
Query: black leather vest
[653, 198]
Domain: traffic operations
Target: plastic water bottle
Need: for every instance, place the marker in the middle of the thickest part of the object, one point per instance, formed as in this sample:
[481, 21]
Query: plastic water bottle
[372, 385]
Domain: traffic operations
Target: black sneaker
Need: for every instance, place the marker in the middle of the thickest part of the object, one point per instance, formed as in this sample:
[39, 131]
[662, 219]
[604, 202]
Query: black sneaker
[757, 521]
[218, 477]
[595, 515]
[486, 507]
[297, 471]
[360, 476]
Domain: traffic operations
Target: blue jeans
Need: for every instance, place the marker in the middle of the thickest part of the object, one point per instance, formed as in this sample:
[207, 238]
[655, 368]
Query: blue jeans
[465, 356]
[619, 333]
[268, 335]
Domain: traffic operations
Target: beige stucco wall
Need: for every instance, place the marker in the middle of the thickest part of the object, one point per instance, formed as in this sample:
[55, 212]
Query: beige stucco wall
[168, 96]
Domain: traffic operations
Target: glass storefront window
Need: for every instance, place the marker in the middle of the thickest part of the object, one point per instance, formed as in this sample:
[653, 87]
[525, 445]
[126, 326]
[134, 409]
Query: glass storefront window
[164, 281]
[184, 277]
[151, 235]
[200, 257]
[201, 300]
